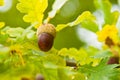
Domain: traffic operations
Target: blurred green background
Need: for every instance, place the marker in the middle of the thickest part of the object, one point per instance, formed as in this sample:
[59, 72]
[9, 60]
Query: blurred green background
[68, 37]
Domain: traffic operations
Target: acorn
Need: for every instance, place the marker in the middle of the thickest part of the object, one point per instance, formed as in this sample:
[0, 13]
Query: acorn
[46, 34]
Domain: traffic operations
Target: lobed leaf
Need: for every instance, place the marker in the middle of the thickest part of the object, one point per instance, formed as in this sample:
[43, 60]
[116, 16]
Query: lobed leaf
[34, 10]
[86, 20]
[81, 56]
[100, 72]
[1, 2]
[84, 16]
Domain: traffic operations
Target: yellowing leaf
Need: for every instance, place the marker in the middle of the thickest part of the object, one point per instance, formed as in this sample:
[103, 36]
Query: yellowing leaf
[63, 52]
[1, 2]
[2, 24]
[34, 10]
[61, 26]
[81, 56]
[84, 16]
[86, 19]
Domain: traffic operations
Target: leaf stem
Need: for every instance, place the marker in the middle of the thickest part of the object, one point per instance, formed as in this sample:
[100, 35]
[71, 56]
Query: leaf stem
[47, 20]
[21, 58]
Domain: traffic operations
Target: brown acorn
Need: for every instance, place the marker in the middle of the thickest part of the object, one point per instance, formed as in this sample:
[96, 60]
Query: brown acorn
[46, 34]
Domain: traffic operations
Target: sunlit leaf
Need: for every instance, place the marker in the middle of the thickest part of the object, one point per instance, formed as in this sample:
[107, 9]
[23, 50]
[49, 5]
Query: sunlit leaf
[15, 32]
[86, 19]
[34, 10]
[1, 2]
[61, 26]
[84, 16]
[69, 75]
[82, 56]
[57, 60]
[2, 24]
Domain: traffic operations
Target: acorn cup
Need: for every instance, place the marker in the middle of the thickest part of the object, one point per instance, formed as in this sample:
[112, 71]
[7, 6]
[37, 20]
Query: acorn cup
[46, 34]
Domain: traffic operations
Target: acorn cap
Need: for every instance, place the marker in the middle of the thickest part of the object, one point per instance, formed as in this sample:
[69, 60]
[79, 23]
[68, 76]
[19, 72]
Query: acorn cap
[47, 28]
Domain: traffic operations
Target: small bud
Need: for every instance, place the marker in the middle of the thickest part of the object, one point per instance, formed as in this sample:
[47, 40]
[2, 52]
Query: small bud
[39, 77]
[113, 60]
[46, 34]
